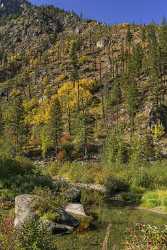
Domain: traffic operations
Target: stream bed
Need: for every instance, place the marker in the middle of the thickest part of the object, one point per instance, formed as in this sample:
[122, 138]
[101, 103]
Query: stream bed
[120, 218]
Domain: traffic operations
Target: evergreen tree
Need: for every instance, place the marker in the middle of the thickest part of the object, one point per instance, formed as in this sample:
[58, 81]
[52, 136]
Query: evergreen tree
[74, 75]
[135, 61]
[116, 96]
[83, 131]
[55, 125]
[14, 123]
[129, 37]
[132, 103]
[154, 63]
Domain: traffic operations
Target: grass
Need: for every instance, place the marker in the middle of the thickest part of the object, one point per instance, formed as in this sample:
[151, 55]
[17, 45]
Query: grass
[78, 172]
[155, 199]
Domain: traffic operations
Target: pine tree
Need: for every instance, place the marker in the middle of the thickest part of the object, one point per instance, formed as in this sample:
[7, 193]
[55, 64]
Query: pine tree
[116, 96]
[55, 124]
[163, 56]
[132, 104]
[154, 63]
[129, 37]
[83, 131]
[14, 123]
[74, 75]
[135, 62]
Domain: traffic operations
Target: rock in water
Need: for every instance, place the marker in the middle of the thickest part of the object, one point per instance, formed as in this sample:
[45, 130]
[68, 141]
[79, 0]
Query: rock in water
[24, 209]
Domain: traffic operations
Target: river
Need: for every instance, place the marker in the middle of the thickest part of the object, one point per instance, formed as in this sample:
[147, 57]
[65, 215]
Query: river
[120, 218]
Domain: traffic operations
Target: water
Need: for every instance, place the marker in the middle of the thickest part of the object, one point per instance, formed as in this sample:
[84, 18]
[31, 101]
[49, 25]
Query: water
[121, 218]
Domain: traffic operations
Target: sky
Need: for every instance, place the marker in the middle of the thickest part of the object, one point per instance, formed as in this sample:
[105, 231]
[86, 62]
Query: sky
[114, 11]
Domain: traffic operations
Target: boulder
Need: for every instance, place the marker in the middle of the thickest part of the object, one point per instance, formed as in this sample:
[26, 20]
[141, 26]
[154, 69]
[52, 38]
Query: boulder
[102, 43]
[56, 228]
[24, 209]
[62, 229]
[75, 209]
[78, 212]
[67, 219]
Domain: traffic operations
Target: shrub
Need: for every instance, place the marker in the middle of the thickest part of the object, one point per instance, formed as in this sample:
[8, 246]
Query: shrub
[115, 185]
[78, 171]
[6, 233]
[131, 197]
[146, 237]
[91, 198]
[34, 235]
[51, 216]
[84, 59]
[155, 199]
[11, 167]
[49, 202]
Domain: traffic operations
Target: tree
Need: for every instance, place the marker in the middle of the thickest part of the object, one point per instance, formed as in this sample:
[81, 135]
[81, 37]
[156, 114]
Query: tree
[163, 56]
[135, 61]
[74, 60]
[115, 148]
[55, 123]
[116, 96]
[129, 37]
[74, 75]
[14, 123]
[132, 103]
[83, 130]
[154, 64]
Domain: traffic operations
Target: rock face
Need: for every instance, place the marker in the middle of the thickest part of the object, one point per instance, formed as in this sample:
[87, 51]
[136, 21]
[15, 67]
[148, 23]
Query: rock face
[101, 43]
[8, 7]
[24, 209]
[75, 209]
[158, 115]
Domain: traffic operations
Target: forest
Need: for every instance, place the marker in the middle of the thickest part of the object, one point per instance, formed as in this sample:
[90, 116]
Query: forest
[83, 131]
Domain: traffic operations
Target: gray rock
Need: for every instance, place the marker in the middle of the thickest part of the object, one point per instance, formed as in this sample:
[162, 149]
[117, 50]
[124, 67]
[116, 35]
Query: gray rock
[75, 209]
[67, 219]
[101, 43]
[62, 229]
[24, 209]
[56, 228]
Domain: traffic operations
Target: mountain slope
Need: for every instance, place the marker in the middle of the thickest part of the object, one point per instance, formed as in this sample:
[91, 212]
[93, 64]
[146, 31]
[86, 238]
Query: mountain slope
[47, 54]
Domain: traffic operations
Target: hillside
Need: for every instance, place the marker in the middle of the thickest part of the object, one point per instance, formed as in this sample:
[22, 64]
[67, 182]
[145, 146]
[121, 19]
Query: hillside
[83, 131]
[73, 80]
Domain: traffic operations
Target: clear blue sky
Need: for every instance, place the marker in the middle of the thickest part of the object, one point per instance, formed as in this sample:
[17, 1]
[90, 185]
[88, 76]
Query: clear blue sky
[114, 11]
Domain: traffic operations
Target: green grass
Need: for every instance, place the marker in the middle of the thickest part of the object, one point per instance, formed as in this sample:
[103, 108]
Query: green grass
[155, 199]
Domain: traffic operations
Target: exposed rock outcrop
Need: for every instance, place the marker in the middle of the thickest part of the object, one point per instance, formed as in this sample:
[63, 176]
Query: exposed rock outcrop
[24, 209]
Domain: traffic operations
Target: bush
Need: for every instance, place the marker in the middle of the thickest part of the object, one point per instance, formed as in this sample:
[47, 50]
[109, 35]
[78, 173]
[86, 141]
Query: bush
[78, 171]
[146, 237]
[131, 197]
[34, 235]
[155, 199]
[49, 202]
[115, 185]
[12, 167]
[91, 198]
